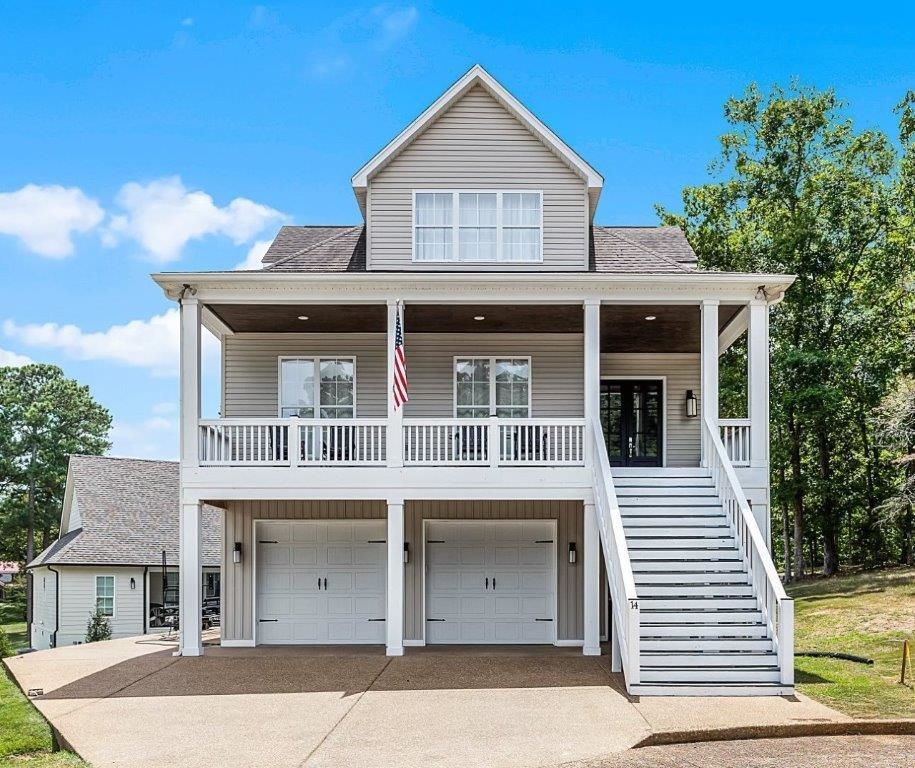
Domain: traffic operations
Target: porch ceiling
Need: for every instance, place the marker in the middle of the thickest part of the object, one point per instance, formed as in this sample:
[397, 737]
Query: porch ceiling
[623, 327]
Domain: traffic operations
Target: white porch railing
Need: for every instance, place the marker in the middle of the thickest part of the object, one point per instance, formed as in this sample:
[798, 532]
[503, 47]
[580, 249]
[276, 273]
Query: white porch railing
[735, 436]
[493, 442]
[625, 602]
[292, 442]
[777, 607]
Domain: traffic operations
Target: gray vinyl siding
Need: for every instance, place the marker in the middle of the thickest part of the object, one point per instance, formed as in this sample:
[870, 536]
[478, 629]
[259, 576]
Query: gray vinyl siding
[477, 144]
[682, 372]
[44, 607]
[238, 582]
[557, 360]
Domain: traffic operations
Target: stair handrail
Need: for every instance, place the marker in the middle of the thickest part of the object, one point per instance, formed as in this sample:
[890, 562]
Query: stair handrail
[777, 606]
[625, 601]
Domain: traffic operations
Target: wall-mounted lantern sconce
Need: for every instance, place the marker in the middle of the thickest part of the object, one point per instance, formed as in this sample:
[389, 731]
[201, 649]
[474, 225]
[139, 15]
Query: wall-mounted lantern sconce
[236, 552]
[406, 551]
[692, 404]
[133, 583]
[573, 553]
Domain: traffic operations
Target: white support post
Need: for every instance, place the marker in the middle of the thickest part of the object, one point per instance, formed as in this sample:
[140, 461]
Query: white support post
[709, 364]
[616, 656]
[394, 437]
[395, 601]
[190, 588]
[758, 382]
[190, 381]
[591, 565]
[592, 366]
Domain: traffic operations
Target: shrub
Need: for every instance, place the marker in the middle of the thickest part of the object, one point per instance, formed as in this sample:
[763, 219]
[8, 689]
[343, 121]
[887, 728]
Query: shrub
[98, 627]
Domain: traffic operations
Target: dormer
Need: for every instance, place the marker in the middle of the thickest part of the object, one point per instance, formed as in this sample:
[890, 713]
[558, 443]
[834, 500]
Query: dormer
[477, 183]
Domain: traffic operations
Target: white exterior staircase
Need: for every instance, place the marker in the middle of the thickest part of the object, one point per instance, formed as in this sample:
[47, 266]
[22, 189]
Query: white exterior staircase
[698, 608]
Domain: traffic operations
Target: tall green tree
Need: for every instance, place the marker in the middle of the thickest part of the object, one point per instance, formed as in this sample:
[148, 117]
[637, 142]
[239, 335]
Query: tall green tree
[800, 190]
[44, 418]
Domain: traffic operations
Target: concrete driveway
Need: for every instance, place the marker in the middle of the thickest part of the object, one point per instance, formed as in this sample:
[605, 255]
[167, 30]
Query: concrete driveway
[132, 703]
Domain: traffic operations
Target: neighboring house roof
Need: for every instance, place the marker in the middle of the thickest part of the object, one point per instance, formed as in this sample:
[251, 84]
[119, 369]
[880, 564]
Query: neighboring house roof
[128, 511]
[614, 250]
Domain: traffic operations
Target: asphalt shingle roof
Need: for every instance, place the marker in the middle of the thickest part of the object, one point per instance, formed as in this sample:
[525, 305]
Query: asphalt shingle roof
[129, 514]
[614, 250]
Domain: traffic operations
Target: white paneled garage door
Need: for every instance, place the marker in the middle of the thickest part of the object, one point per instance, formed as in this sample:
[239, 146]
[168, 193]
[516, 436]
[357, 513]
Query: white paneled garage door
[320, 581]
[490, 581]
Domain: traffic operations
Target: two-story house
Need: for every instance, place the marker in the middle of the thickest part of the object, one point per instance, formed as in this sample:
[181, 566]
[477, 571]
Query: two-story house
[559, 474]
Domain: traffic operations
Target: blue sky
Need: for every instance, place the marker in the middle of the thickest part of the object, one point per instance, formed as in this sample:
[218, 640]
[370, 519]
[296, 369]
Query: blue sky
[179, 136]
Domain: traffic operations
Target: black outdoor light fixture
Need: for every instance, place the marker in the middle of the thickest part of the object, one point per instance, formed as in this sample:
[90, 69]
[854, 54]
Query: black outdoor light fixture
[573, 552]
[236, 552]
[133, 583]
[692, 404]
[406, 551]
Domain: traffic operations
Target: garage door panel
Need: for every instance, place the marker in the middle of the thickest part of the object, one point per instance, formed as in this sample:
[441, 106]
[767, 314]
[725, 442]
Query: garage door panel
[299, 607]
[461, 595]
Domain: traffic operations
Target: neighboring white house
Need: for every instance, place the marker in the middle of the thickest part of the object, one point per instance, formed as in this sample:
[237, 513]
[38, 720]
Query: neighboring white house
[560, 473]
[119, 516]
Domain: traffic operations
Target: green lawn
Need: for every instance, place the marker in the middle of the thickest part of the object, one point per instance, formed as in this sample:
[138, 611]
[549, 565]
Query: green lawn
[25, 739]
[867, 614]
[12, 621]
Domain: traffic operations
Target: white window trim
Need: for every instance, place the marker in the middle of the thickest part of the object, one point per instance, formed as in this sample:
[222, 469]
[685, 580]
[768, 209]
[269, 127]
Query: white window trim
[316, 359]
[114, 594]
[455, 225]
[492, 381]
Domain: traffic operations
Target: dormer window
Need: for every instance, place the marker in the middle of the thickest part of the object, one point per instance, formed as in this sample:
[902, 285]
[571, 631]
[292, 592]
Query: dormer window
[477, 226]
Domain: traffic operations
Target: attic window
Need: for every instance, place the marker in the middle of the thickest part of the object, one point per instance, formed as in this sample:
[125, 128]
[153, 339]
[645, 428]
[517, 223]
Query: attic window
[478, 226]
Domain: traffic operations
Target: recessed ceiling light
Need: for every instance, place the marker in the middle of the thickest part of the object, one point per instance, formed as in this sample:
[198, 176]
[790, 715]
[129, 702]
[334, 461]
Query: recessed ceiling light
[651, 317]
[303, 317]
[479, 317]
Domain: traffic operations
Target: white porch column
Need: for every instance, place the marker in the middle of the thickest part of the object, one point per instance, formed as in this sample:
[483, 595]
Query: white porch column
[591, 565]
[758, 382]
[709, 365]
[394, 614]
[190, 380]
[592, 364]
[395, 415]
[189, 581]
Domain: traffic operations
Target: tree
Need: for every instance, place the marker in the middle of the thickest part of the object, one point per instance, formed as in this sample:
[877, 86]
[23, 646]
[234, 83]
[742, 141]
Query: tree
[801, 191]
[44, 418]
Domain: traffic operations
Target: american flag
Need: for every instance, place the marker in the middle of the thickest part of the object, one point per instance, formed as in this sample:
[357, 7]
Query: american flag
[401, 391]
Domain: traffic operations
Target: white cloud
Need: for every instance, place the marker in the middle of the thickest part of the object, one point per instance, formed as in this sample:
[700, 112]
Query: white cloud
[255, 254]
[163, 216]
[152, 438]
[13, 359]
[393, 23]
[45, 218]
[151, 344]
[165, 409]
[187, 22]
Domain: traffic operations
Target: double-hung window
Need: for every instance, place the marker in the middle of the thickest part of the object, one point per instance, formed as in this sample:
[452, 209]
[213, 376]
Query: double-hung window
[478, 226]
[492, 386]
[104, 595]
[318, 387]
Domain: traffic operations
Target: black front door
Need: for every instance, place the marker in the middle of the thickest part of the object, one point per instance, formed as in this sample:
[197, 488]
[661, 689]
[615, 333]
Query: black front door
[631, 414]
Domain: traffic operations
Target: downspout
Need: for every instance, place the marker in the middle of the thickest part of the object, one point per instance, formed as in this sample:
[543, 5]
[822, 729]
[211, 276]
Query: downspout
[56, 605]
[145, 599]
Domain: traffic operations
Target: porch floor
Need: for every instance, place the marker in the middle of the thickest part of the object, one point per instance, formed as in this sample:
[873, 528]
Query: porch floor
[131, 703]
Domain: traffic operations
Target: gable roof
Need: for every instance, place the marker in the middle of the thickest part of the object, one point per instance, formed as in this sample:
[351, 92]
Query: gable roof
[613, 250]
[128, 510]
[476, 75]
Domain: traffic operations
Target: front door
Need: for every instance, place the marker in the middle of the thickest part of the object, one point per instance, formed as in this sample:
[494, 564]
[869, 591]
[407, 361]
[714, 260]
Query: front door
[631, 415]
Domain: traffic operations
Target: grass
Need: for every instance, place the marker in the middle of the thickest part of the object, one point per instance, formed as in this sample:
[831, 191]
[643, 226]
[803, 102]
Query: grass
[12, 621]
[867, 614]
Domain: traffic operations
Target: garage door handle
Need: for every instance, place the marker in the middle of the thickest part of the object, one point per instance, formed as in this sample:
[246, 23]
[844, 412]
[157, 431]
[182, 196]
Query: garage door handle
[493, 582]
[374, 619]
[487, 582]
[434, 619]
[325, 582]
[319, 582]
[267, 621]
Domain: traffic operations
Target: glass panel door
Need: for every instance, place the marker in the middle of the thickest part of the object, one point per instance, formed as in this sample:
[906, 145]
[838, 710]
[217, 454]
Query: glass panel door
[631, 415]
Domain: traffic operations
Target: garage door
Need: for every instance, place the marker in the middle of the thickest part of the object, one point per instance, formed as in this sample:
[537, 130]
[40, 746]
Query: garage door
[320, 581]
[490, 581]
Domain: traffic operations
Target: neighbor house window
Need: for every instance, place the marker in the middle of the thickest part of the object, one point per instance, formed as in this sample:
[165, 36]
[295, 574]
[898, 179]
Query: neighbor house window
[478, 226]
[492, 386]
[322, 387]
[104, 595]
